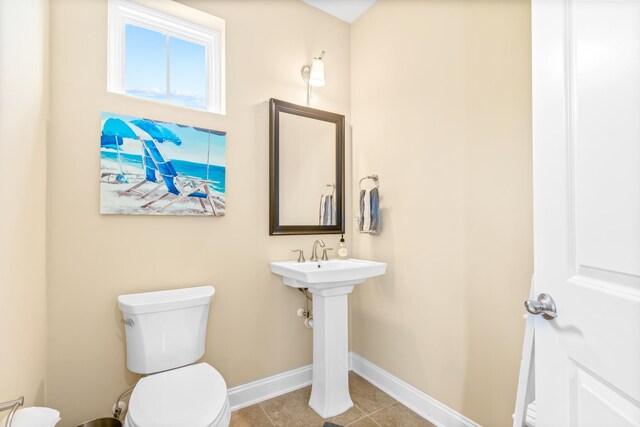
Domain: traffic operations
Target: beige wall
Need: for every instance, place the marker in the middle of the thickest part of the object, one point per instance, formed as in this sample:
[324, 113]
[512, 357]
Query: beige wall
[253, 329]
[23, 113]
[441, 111]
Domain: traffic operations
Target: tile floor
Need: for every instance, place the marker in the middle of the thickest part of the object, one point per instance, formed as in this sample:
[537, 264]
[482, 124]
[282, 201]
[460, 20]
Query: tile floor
[372, 408]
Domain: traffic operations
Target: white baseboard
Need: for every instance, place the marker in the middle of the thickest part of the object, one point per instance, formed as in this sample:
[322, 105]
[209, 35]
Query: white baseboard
[266, 388]
[270, 387]
[414, 399]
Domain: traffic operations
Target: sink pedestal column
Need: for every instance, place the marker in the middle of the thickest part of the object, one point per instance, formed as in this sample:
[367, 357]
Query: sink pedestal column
[330, 282]
[330, 388]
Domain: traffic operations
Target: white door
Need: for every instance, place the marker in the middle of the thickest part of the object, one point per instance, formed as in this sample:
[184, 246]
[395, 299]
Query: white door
[586, 145]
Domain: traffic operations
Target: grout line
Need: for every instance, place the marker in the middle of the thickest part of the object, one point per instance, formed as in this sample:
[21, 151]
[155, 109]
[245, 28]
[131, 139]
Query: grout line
[382, 409]
[364, 415]
[267, 415]
[373, 421]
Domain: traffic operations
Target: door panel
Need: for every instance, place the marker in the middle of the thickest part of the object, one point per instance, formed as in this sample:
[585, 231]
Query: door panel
[598, 404]
[606, 119]
[586, 136]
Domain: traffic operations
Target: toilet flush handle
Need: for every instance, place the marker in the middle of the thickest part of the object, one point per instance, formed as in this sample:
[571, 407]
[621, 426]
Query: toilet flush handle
[128, 322]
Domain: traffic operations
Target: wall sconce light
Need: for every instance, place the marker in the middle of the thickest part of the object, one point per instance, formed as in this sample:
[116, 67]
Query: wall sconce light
[313, 75]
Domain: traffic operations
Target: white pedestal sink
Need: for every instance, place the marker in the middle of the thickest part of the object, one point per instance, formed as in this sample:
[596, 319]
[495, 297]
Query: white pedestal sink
[330, 282]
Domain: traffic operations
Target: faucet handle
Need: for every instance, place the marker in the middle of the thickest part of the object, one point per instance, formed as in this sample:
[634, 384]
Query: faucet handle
[324, 254]
[300, 254]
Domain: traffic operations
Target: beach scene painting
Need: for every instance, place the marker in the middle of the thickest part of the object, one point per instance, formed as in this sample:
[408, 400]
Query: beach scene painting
[152, 167]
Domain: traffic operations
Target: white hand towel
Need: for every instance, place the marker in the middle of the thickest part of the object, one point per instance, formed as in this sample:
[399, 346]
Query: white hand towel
[34, 416]
[366, 225]
[321, 212]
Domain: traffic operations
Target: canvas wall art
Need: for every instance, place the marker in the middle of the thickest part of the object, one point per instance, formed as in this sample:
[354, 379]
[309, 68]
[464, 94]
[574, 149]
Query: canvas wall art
[151, 167]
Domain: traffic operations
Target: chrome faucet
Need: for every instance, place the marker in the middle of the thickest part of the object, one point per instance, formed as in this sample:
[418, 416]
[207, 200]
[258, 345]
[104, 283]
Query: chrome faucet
[314, 251]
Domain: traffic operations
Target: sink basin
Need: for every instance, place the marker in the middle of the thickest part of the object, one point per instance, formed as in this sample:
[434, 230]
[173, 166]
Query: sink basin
[330, 282]
[327, 274]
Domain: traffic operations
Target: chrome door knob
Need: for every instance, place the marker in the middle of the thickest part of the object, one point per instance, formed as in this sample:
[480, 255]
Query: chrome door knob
[544, 305]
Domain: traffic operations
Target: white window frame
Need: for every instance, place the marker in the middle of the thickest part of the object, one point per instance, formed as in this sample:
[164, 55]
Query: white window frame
[174, 20]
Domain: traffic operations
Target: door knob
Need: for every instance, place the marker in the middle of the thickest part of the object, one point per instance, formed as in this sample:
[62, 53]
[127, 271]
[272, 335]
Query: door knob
[544, 305]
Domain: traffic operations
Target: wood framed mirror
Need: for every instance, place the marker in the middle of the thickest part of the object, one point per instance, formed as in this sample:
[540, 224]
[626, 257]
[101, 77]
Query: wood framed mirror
[306, 170]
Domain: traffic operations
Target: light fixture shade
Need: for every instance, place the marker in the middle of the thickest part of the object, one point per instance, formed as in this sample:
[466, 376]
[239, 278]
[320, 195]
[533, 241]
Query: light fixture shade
[316, 76]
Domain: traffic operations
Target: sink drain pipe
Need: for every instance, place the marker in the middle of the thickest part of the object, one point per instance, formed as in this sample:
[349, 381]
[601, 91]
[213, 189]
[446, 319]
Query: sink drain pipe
[306, 312]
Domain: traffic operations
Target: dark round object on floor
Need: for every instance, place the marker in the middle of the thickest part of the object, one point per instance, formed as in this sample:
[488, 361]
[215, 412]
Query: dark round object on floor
[102, 422]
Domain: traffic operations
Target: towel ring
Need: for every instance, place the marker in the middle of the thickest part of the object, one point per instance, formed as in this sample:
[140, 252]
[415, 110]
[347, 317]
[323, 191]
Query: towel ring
[374, 178]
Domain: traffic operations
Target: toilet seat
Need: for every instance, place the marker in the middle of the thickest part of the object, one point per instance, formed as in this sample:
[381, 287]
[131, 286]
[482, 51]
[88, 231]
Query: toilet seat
[194, 396]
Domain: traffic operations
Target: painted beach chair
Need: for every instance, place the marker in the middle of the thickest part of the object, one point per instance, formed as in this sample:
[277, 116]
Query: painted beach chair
[181, 186]
[159, 134]
[151, 176]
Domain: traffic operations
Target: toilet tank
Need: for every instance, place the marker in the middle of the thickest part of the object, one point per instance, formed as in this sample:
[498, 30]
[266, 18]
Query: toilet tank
[165, 329]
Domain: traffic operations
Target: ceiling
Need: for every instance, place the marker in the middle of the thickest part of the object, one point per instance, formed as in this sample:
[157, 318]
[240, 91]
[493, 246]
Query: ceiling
[347, 10]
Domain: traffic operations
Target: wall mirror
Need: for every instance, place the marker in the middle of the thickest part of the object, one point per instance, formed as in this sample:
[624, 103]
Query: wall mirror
[306, 183]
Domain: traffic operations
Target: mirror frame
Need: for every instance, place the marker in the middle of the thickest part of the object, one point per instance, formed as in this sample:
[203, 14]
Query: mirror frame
[275, 228]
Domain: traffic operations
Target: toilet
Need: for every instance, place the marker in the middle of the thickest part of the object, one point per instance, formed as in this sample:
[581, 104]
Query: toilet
[165, 335]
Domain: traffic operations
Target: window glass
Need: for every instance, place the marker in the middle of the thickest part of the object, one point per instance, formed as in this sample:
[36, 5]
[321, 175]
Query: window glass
[187, 74]
[145, 63]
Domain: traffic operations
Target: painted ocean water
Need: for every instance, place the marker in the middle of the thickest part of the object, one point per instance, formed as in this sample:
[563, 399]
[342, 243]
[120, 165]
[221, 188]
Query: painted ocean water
[183, 167]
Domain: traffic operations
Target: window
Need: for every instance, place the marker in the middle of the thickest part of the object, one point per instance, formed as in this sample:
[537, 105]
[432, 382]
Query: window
[173, 55]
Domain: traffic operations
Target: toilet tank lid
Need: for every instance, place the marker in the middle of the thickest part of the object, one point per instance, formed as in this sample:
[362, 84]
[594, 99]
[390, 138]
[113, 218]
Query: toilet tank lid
[174, 299]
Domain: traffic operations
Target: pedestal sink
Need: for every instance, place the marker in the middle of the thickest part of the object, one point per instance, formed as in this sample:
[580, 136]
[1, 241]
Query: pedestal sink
[330, 282]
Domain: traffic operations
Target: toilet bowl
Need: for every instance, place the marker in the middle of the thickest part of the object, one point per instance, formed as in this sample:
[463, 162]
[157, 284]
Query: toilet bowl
[195, 395]
[165, 335]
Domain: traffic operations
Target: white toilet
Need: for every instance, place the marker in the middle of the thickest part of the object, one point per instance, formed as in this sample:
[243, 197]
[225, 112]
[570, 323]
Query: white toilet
[166, 333]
